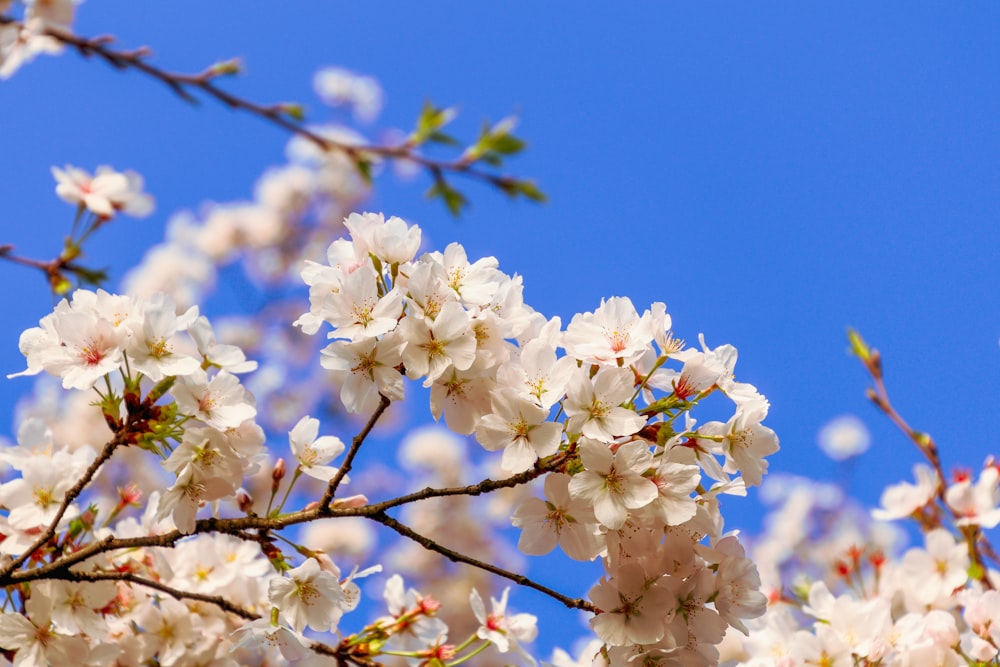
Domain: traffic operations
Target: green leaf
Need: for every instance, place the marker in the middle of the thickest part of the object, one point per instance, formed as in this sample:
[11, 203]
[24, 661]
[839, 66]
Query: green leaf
[430, 120]
[293, 110]
[507, 144]
[858, 346]
[442, 138]
[364, 168]
[530, 190]
[452, 198]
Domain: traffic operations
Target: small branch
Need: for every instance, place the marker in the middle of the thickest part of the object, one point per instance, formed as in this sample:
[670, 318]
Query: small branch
[973, 537]
[220, 602]
[175, 593]
[276, 114]
[68, 499]
[485, 486]
[356, 442]
[239, 525]
[457, 557]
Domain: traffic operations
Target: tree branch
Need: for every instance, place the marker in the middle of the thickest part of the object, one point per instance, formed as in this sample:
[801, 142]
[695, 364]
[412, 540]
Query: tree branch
[356, 442]
[175, 593]
[279, 115]
[68, 499]
[457, 557]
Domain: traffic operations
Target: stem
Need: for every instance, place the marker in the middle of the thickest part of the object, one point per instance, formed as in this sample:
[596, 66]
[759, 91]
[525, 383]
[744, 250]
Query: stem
[288, 491]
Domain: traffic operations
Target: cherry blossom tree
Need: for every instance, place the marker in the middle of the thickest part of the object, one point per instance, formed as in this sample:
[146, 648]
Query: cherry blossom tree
[178, 504]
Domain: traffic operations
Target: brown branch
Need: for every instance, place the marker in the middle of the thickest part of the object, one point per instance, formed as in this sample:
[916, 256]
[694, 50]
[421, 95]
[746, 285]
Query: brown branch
[356, 442]
[68, 499]
[485, 486]
[325, 649]
[238, 525]
[276, 114]
[457, 557]
[879, 396]
[175, 593]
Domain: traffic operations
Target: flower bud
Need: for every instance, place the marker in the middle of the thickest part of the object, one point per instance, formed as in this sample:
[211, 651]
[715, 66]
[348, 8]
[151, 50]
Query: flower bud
[278, 473]
[351, 502]
[244, 501]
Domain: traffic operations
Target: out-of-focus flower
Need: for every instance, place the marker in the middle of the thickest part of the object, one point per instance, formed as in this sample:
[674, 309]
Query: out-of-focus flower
[843, 437]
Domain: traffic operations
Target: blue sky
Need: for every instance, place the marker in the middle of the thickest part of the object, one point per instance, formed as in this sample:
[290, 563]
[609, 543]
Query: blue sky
[773, 173]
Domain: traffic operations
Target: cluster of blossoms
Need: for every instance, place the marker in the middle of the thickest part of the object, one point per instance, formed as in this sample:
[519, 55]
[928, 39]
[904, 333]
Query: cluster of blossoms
[622, 462]
[935, 604]
[623, 479]
[207, 437]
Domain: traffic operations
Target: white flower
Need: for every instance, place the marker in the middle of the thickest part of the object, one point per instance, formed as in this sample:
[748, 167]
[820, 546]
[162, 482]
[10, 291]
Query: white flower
[364, 370]
[35, 641]
[227, 357]
[75, 604]
[264, 634]
[338, 87]
[104, 193]
[20, 44]
[431, 347]
[538, 373]
[503, 630]
[426, 629]
[221, 403]
[357, 311]
[903, 499]
[151, 347]
[559, 519]
[844, 437]
[463, 397]
[312, 452]
[634, 608]
[182, 500]
[613, 333]
[308, 597]
[745, 442]
[977, 504]
[932, 573]
[593, 406]
[613, 482]
[517, 426]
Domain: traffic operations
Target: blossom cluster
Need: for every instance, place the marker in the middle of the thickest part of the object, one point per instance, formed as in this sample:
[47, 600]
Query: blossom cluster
[623, 478]
[607, 422]
[147, 347]
[862, 601]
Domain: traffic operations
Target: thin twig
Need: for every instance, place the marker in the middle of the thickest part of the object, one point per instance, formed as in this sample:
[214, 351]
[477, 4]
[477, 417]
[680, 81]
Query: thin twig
[972, 535]
[457, 557]
[68, 499]
[276, 114]
[175, 593]
[356, 442]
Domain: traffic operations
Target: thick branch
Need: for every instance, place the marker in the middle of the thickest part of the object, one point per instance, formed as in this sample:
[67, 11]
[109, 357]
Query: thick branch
[236, 526]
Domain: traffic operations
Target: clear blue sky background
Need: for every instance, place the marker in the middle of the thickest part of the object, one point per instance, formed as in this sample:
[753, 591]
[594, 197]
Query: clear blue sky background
[773, 173]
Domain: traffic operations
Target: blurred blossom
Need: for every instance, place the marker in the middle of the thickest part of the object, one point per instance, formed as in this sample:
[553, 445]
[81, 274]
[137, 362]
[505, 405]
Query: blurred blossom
[843, 437]
[340, 87]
